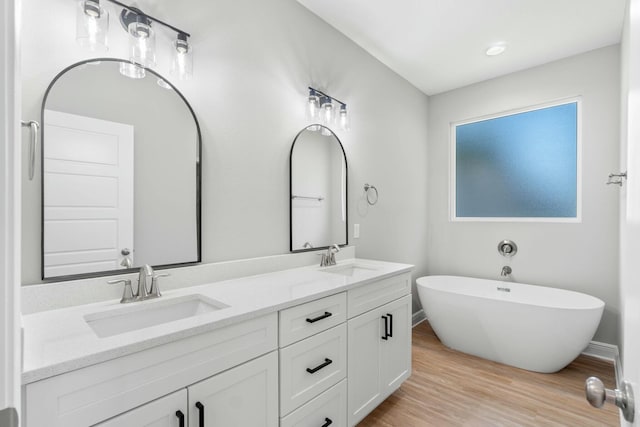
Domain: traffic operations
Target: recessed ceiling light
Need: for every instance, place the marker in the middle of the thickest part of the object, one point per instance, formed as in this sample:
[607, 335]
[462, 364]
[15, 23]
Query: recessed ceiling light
[496, 49]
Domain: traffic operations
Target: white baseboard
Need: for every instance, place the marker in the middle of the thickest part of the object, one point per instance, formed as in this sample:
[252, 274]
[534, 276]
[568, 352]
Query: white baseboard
[418, 317]
[608, 352]
[602, 351]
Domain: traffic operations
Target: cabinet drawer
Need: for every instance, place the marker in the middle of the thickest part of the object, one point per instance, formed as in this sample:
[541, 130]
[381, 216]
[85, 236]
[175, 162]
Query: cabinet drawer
[95, 393]
[304, 320]
[330, 408]
[372, 295]
[311, 366]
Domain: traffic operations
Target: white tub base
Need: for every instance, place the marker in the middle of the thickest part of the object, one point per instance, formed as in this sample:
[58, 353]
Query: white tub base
[530, 327]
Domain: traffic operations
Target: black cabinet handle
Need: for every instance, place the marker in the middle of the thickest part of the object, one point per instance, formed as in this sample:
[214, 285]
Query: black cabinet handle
[180, 416]
[327, 362]
[200, 407]
[323, 316]
[386, 327]
[390, 325]
[327, 422]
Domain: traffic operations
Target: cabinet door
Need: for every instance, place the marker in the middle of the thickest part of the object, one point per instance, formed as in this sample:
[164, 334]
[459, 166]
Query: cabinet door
[246, 395]
[364, 364]
[396, 350]
[164, 412]
[379, 355]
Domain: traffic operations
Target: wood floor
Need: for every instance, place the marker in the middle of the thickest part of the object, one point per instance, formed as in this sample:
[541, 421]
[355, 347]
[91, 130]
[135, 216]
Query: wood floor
[449, 388]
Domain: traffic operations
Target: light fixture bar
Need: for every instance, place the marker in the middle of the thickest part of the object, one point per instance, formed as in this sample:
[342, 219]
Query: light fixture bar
[323, 94]
[151, 18]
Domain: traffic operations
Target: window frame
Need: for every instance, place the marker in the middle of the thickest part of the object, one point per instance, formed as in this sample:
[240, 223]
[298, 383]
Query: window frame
[452, 163]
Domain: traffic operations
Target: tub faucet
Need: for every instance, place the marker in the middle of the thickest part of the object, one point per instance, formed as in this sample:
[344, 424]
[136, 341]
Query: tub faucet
[506, 272]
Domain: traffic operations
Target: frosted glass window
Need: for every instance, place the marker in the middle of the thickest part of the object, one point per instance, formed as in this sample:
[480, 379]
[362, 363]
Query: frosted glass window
[522, 165]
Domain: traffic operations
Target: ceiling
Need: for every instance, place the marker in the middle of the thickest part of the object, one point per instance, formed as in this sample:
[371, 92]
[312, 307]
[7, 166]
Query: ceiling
[439, 45]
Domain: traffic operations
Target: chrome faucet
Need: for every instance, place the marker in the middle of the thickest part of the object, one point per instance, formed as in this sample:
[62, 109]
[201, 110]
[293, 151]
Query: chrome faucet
[145, 276]
[329, 258]
[506, 272]
[127, 294]
[147, 285]
[331, 253]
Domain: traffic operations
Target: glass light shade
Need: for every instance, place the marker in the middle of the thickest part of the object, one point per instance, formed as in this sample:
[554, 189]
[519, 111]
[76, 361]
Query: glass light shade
[343, 118]
[182, 58]
[313, 107]
[92, 25]
[326, 113]
[132, 71]
[142, 43]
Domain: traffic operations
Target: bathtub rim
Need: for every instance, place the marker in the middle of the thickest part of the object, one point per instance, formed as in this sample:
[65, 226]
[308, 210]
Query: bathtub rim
[598, 304]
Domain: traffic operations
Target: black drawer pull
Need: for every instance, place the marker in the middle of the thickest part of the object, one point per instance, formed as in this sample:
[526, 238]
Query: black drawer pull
[327, 362]
[386, 327]
[327, 422]
[390, 325]
[180, 416]
[200, 407]
[323, 316]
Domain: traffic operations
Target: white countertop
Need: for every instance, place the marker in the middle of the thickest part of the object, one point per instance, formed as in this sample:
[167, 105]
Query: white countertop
[59, 341]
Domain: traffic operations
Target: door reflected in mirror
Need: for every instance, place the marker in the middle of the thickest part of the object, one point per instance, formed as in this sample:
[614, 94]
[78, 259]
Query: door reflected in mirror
[120, 173]
[318, 184]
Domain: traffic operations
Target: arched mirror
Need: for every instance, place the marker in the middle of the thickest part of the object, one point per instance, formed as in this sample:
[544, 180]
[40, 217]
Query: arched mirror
[318, 190]
[120, 172]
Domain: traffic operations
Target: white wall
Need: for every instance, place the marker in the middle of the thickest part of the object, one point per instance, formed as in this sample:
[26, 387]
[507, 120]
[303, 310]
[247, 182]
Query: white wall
[253, 63]
[581, 257]
[10, 351]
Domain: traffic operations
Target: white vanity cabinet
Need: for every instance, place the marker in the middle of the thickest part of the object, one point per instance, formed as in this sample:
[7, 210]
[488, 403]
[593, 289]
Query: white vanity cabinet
[369, 328]
[96, 393]
[379, 344]
[326, 362]
[221, 400]
[313, 361]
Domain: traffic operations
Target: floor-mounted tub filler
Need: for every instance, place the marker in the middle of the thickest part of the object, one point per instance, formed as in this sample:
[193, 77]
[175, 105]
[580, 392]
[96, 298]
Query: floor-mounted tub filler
[530, 327]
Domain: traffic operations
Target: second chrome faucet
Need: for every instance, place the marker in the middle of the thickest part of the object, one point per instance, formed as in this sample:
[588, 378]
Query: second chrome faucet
[147, 285]
[329, 258]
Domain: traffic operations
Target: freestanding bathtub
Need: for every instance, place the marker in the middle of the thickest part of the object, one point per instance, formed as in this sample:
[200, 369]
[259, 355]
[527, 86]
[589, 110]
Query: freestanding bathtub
[531, 327]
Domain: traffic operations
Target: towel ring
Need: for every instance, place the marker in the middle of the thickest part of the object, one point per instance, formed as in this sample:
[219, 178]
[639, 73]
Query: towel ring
[368, 187]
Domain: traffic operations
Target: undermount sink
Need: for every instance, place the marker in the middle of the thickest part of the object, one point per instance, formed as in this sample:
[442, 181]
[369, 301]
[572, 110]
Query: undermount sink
[150, 313]
[350, 269]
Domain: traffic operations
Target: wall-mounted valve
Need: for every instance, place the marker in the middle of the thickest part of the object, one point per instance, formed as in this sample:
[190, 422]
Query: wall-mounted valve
[507, 248]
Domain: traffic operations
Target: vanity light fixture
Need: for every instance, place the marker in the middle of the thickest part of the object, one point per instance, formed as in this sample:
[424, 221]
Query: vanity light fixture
[320, 108]
[142, 38]
[182, 58]
[313, 105]
[92, 25]
[326, 111]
